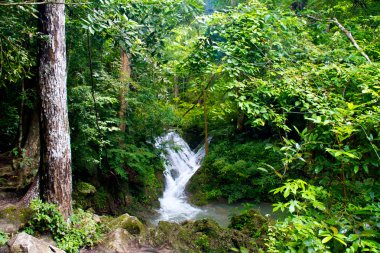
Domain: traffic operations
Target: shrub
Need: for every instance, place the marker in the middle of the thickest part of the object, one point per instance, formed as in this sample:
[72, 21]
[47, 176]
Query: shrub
[81, 231]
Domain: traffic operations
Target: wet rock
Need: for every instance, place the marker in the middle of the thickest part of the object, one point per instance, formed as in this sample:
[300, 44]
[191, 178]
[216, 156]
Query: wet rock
[26, 243]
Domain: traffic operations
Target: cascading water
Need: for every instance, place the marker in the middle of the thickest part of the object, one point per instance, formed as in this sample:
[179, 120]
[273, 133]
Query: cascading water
[180, 165]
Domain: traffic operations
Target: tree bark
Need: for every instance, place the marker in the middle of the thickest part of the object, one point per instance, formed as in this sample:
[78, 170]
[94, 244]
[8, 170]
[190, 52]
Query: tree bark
[176, 88]
[55, 169]
[125, 76]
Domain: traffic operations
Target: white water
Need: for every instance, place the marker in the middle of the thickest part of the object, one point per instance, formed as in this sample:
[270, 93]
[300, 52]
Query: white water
[180, 165]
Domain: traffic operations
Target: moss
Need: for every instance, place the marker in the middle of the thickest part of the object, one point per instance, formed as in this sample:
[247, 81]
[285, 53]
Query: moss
[85, 188]
[16, 214]
[197, 236]
[129, 223]
[253, 224]
[250, 222]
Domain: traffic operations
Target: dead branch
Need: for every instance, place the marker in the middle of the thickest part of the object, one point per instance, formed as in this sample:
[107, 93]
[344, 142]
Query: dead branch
[350, 37]
[345, 31]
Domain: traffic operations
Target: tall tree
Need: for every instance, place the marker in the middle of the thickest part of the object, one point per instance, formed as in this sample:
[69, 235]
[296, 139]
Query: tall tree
[55, 170]
[125, 76]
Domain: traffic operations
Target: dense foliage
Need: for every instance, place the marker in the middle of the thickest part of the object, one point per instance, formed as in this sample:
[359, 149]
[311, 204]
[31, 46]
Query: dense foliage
[289, 91]
[235, 170]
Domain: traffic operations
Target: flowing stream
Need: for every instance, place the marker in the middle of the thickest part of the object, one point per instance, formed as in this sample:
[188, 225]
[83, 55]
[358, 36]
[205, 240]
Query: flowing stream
[180, 165]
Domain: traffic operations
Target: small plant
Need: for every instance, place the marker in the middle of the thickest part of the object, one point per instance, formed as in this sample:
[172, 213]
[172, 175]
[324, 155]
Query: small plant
[82, 231]
[3, 238]
[203, 243]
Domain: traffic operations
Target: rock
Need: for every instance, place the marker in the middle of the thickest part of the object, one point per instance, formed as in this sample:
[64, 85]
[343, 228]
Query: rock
[121, 241]
[48, 238]
[26, 243]
[4, 249]
[129, 223]
[196, 236]
[96, 218]
[12, 218]
[117, 241]
[8, 226]
[250, 222]
[85, 188]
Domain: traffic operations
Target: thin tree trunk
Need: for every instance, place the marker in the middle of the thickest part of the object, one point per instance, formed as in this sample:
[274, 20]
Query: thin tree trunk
[176, 89]
[55, 169]
[205, 119]
[240, 122]
[125, 76]
[21, 133]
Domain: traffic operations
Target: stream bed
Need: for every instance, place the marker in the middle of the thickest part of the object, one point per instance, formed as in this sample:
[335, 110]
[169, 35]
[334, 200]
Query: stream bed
[180, 165]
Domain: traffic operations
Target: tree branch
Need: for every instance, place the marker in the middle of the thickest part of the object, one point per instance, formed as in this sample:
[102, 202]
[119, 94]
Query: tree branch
[350, 37]
[200, 95]
[346, 32]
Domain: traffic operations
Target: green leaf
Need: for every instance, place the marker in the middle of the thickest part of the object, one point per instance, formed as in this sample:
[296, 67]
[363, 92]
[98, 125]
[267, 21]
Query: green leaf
[327, 239]
[334, 229]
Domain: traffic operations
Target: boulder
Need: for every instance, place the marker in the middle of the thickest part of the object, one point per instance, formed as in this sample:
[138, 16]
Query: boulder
[196, 236]
[250, 222]
[8, 226]
[23, 242]
[121, 241]
[129, 223]
[4, 249]
[12, 218]
[118, 240]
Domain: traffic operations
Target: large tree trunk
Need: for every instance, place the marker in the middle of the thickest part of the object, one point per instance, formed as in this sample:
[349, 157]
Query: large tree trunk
[125, 76]
[55, 169]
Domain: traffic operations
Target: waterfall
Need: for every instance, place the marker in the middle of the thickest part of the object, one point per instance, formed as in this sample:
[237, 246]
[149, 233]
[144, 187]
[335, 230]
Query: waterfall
[180, 165]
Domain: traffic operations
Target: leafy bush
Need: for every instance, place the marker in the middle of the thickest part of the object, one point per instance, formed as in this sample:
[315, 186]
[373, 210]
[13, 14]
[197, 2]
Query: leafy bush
[312, 227]
[81, 231]
[234, 171]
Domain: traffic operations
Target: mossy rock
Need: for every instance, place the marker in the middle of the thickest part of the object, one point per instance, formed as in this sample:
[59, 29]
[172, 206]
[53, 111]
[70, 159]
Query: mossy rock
[85, 188]
[130, 223]
[250, 222]
[197, 236]
[12, 218]
[173, 235]
[15, 213]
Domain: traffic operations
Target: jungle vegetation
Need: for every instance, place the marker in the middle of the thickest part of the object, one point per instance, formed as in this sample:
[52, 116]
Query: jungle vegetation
[288, 90]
